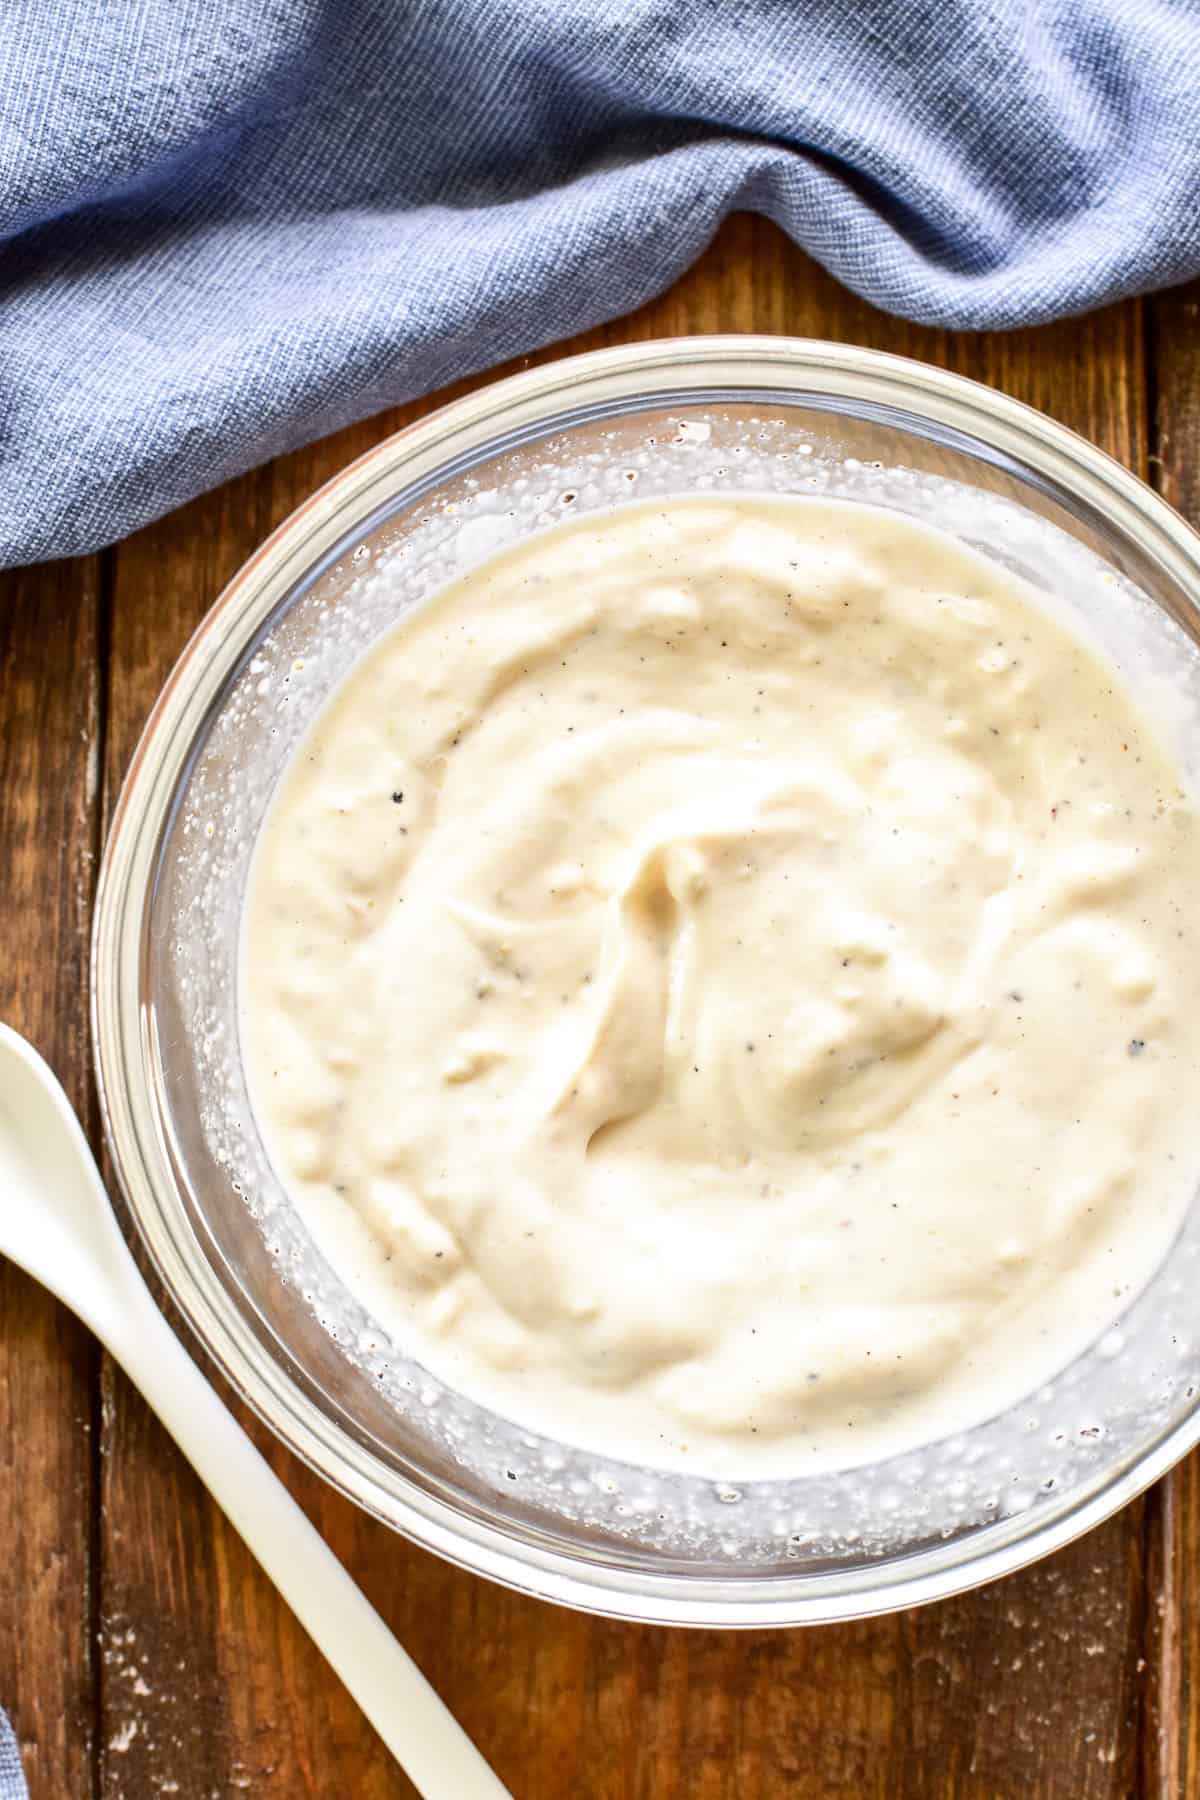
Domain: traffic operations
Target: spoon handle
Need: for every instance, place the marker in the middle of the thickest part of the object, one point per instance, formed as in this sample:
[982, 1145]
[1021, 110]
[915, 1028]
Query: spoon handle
[417, 1728]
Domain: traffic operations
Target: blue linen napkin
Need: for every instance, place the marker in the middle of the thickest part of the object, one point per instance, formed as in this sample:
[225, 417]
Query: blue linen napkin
[12, 1780]
[230, 226]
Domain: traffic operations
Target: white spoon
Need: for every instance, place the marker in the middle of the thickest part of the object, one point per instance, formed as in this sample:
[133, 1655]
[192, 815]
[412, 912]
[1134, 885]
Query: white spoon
[56, 1222]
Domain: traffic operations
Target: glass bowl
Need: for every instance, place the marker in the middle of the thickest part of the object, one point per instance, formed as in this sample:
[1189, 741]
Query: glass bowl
[681, 416]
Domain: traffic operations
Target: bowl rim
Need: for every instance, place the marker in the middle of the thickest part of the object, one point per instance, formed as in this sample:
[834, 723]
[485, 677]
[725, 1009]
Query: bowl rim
[535, 401]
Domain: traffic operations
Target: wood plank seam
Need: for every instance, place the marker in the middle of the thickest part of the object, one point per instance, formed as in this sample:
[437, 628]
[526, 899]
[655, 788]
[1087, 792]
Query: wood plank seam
[93, 1125]
[1167, 1756]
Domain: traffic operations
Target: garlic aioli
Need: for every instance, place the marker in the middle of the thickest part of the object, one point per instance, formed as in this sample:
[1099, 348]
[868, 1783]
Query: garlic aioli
[719, 981]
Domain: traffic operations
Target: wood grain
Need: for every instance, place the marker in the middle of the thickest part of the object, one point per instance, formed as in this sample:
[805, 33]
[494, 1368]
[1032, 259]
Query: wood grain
[1034, 1685]
[50, 723]
[1172, 1741]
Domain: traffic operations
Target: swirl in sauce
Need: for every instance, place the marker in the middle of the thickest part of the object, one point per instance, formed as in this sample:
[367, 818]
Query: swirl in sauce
[720, 979]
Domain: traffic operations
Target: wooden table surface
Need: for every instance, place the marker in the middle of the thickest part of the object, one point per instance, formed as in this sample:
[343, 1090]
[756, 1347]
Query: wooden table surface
[143, 1654]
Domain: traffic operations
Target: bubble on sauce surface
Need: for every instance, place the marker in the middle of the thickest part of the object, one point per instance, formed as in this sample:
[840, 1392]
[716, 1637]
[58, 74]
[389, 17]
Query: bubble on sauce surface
[1118, 1393]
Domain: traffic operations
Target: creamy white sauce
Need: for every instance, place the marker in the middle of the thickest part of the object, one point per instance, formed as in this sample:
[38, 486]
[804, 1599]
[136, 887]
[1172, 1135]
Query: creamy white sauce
[719, 980]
